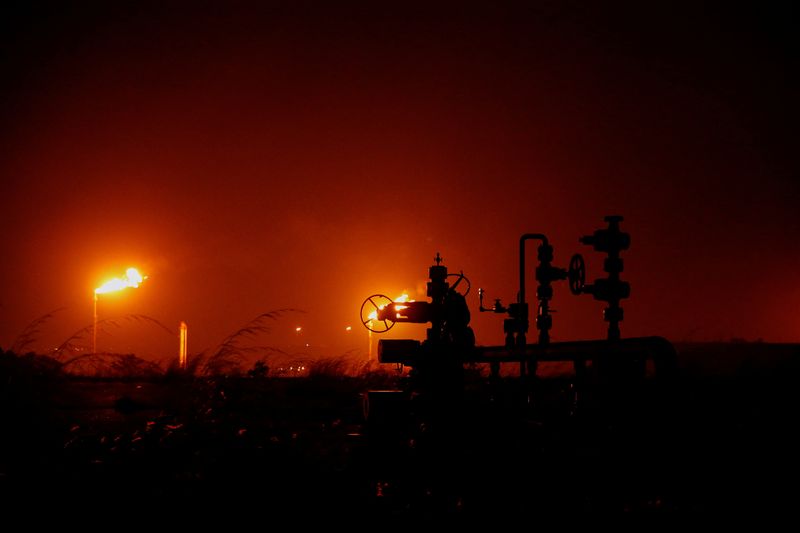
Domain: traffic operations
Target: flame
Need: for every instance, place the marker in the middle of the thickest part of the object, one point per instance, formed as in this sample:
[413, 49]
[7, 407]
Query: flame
[132, 278]
[400, 299]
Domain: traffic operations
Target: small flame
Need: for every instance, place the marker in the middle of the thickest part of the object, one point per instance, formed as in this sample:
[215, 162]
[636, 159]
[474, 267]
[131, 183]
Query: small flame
[400, 299]
[132, 278]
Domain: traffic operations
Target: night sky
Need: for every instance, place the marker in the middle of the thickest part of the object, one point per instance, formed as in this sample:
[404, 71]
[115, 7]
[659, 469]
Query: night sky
[295, 155]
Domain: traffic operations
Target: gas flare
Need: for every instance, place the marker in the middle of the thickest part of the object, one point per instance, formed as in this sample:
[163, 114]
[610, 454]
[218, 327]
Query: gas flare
[400, 299]
[132, 278]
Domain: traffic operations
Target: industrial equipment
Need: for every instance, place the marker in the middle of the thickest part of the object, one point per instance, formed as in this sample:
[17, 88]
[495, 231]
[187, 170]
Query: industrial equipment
[437, 362]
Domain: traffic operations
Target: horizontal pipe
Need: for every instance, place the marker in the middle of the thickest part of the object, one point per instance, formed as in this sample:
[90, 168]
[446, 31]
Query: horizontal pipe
[659, 349]
[572, 350]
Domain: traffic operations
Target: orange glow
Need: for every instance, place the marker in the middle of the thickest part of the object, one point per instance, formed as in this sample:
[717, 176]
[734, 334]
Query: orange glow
[132, 278]
[298, 329]
[400, 299]
[348, 328]
[182, 345]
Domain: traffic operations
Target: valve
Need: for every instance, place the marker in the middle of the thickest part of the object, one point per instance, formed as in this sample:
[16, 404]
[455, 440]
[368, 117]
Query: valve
[461, 277]
[576, 274]
[516, 326]
[447, 309]
[609, 240]
[372, 316]
[611, 289]
[496, 308]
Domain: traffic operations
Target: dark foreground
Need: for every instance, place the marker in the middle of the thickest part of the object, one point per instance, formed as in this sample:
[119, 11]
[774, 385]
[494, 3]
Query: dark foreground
[711, 440]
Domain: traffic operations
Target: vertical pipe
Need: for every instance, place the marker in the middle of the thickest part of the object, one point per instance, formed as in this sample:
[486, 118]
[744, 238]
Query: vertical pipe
[525, 237]
[521, 295]
[182, 347]
[94, 325]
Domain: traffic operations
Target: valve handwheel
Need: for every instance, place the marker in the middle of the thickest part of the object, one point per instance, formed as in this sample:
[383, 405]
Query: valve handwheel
[460, 277]
[576, 274]
[374, 304]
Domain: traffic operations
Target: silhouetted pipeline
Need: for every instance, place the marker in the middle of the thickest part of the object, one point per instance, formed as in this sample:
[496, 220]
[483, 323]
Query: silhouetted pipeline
[658, 349]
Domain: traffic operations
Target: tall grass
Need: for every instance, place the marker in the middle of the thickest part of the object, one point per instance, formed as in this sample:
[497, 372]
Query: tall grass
[31, 332]
[112, 365]
[79, 341]
[229, 356]
[370, 374]
[76, 358]
[193, 365]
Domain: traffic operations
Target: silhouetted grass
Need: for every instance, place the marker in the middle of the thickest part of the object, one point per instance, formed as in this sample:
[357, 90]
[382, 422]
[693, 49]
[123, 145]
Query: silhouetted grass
[348, 365]
[229, 357]
[328, 367]
[112, 365]
[721, 442]
[31, 332]
[75, 342]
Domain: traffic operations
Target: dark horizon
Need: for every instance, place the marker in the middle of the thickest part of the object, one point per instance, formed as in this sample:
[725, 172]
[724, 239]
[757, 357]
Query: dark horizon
[252, 157]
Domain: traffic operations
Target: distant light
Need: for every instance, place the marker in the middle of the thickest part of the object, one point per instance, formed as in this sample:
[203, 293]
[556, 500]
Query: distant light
[348, 328]
[307, 344]
[298, 328]
[184, 331]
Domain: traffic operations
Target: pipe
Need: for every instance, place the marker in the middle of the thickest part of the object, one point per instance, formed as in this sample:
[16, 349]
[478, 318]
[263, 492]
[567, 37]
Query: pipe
[658, 349]
[521, 296]
[525, 237]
